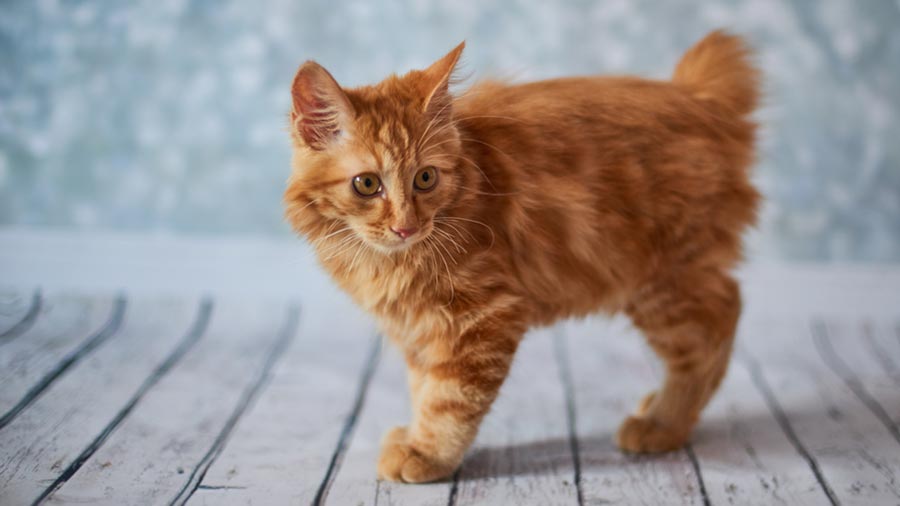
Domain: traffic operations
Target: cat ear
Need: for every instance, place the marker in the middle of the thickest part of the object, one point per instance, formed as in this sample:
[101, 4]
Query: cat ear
[436, 81]
[321, 111]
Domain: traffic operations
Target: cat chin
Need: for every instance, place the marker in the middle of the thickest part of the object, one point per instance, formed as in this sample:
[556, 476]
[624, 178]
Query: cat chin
[395, 247]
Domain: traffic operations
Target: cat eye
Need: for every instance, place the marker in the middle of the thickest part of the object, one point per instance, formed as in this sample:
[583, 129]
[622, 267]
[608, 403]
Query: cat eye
[425, 179]
[367, 185]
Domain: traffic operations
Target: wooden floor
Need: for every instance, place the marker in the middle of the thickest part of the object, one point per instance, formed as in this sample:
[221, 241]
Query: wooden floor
[136, 399]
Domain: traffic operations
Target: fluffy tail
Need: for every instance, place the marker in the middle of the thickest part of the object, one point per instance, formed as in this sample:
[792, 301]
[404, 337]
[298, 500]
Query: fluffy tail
[718, 69]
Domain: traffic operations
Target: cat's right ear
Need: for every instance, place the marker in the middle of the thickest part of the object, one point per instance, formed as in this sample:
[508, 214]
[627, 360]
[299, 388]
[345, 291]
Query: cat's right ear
[321, 112]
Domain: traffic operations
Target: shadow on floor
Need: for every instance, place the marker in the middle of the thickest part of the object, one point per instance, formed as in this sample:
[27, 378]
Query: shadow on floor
[756, 434]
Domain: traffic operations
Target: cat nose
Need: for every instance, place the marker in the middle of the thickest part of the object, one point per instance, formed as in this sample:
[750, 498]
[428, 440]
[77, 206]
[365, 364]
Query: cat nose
[404, 232]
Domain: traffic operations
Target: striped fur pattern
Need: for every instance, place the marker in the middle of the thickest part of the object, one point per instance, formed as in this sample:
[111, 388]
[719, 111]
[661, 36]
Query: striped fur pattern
[553, 199]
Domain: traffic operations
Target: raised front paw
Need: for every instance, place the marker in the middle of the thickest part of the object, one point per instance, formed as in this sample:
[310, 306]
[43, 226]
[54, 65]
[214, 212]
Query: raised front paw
[399, 461]
[639, 434]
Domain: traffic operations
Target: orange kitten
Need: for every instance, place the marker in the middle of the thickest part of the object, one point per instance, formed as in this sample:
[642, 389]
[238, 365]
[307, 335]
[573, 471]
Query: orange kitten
[461, 222]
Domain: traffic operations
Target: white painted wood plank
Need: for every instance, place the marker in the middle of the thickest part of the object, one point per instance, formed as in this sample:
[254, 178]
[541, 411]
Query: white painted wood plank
[62, 326]
[842, 346]
[47, 437]
[523, 454]
[744, 455]
[611, 374]
[14, 306]
[18, 313]
[387, 405]
[858, 457]
[151, 456]
[280, 451]
[881, 338]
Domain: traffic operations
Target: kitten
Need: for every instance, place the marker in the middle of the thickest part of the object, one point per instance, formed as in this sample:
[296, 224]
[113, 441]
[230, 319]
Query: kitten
[460, 222]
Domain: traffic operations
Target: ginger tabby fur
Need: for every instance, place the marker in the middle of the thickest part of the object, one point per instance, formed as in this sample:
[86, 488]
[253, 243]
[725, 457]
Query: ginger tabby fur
[552, 199]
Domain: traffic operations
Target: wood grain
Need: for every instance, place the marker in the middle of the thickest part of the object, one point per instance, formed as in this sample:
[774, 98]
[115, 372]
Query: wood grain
[744, 455]
[51, 435]
[610, 375]
[806, 415]
[18, 313]
[13, 307]
[843, 347]
[523, 453]
[881, 339]
[155, 450]
[61, 328]
[281, 449]
[857, 457]
[387, 405]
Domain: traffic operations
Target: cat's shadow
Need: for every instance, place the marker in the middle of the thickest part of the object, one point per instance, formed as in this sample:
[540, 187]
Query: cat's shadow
[714, 441]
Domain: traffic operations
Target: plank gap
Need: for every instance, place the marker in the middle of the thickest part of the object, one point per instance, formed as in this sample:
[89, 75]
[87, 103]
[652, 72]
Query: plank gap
[881, 355]
[762, 385]
[849, 377]
[108, 330]
[350, 423]
[27, 321]
[454, 488]
[561, 352]
[277, 350]
[193, 335]
[689, 449]
[219, 487]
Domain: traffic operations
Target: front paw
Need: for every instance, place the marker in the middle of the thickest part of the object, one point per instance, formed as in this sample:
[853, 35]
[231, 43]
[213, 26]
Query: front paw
[639, 434]
[399, 461]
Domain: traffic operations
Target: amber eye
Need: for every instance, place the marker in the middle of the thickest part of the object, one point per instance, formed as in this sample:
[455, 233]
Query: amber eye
[425, 179]
[367, 185]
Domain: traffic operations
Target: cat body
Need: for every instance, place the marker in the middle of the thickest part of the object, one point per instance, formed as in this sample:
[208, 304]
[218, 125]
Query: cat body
[516, 205]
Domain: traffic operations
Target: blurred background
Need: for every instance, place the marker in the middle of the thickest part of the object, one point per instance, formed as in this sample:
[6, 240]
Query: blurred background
[169, 116]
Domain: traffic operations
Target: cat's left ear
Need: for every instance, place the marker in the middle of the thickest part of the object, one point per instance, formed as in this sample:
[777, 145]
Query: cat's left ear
[436, 81]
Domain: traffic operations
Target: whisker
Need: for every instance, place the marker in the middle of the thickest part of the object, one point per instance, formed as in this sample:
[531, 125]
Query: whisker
[359, 249]
[474, 165]
[449, 277]
[504, 153]
[443, 246]
[432, 122]
[460, 231]
[434, 265]
[488, 194]
[447, 236]
[346, 247]
[322, 239]
[311, 202]
[337, 243]
[493, 237]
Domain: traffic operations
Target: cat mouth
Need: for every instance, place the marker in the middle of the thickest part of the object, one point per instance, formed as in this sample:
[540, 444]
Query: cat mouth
[397, 245]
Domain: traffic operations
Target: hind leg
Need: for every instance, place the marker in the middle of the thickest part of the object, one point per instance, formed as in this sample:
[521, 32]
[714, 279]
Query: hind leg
[689, 320]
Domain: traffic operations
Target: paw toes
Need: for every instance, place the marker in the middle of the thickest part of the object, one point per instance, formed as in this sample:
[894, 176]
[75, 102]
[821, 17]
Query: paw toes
[646, 435]
[401, 462]
[418, 469]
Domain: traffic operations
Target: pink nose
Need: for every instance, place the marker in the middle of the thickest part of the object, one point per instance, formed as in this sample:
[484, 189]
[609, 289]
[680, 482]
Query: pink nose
[404, 232]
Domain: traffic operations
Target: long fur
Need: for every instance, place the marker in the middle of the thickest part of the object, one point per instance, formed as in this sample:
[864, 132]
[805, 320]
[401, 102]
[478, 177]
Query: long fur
[555, 199]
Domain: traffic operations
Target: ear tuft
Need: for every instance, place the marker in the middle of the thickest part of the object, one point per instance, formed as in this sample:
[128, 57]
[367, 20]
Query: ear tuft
[320, 110]
[436, 81]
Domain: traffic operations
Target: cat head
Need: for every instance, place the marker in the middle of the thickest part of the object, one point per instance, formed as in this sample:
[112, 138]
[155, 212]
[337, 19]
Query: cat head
[379, 161]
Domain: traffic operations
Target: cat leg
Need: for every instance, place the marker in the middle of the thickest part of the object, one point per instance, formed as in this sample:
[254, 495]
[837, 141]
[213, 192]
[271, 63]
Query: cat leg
[415, 377]
[689, 321]
[450, 397]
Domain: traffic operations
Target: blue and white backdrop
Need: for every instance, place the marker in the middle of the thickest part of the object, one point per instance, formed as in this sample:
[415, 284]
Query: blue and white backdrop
[168, 116]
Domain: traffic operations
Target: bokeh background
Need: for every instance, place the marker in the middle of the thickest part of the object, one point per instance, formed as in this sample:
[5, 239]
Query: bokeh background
[169, 116]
